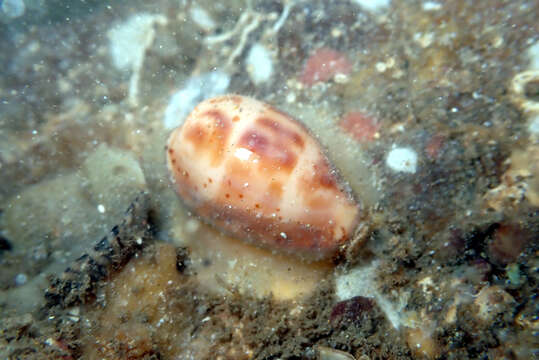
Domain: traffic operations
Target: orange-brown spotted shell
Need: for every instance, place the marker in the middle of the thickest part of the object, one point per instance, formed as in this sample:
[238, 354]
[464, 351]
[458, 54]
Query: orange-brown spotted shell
[257, 173]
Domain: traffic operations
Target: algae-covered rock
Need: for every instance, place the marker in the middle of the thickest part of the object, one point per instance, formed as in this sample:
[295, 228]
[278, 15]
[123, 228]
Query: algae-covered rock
[65, 212]
[114, 179]
[52, 211]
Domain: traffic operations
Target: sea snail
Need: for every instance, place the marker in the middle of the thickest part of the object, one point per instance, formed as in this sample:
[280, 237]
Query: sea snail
[256, 173]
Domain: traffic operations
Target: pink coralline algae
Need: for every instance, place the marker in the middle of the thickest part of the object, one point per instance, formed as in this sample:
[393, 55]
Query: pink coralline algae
[434, 146]
[509, 240]
[351, 310]
[323, 65]
[360, 126]
[258, 174]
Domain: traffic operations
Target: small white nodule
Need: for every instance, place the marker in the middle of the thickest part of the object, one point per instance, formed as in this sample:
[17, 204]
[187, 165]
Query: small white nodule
[402, 159]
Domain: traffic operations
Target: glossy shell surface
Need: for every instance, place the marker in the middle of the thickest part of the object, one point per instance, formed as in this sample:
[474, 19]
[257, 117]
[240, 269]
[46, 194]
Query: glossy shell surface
[258, 174]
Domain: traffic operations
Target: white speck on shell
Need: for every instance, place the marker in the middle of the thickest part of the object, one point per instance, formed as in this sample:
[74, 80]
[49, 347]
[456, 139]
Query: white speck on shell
[243, 154]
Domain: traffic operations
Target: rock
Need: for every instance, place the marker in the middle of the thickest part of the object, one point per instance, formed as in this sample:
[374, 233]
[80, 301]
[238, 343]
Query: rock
[66, 211]
[114, 179]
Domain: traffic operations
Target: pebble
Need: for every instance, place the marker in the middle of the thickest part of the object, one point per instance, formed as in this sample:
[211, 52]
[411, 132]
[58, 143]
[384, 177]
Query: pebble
[402, 159]
[259, 64]
[196, 89]
[373, 5]
[21, 279]
[13, 8]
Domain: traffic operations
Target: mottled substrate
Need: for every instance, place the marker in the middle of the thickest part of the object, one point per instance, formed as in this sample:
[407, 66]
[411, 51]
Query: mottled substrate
[456, 239]
[152, 309]
[79, 283]
[58, 332]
